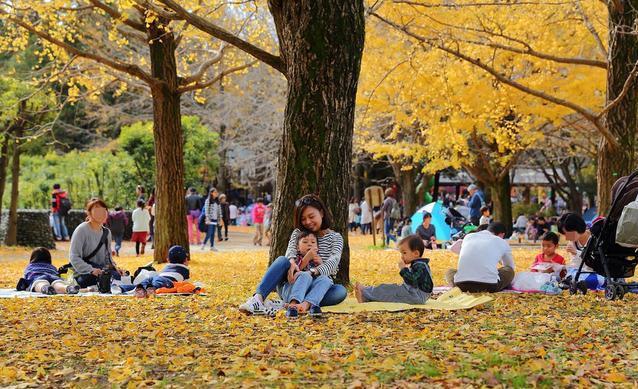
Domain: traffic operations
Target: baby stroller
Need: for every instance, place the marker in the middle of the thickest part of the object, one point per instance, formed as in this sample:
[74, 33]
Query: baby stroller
[459, 225]
[602, 254]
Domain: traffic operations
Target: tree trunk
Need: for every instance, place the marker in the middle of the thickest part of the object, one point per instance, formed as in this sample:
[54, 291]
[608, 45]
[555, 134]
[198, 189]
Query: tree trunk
[12, 231]
[621, 120]
[321, 44]
[406, 179]
[502, 201]
[170, 219]
[4, 162]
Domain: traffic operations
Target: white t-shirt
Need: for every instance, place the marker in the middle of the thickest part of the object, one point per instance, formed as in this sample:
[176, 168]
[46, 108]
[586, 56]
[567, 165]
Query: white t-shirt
[365, 213]
[480, 254]
[141, 220]
[232, 210]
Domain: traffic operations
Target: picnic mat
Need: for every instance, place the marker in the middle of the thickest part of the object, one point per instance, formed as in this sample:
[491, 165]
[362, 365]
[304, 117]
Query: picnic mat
[451, 300]
[12, 293]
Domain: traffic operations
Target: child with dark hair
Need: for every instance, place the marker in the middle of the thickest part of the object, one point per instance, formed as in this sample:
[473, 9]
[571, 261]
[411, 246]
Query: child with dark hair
[574, 228]
[485, 216]
[548, 261]
[306, 252]
[406, 230]
[176, 271]
[141, 226]
[41, 276]
[417, 278]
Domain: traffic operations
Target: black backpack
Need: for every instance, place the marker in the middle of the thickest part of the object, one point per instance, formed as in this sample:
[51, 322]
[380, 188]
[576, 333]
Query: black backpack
[65, 206]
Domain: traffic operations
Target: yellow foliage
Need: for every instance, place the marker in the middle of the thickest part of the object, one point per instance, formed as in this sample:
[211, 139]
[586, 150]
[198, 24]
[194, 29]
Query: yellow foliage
[444, 105]
[203, 341]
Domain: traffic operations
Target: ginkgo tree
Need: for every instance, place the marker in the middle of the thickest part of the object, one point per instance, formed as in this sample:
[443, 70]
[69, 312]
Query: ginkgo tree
[320, 44]
[554, 52]
[423, 107]
[135, 42]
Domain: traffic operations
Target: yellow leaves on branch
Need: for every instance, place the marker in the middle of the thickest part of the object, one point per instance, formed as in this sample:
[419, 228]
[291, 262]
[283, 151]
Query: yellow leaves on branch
[448, 101]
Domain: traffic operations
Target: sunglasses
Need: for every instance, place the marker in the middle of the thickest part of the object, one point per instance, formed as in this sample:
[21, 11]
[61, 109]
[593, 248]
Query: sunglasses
[306, 200]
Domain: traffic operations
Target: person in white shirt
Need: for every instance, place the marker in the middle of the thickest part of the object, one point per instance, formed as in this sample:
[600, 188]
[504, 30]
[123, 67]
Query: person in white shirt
[232, 210]
[141, 225]
[366, 218]
[480, 255]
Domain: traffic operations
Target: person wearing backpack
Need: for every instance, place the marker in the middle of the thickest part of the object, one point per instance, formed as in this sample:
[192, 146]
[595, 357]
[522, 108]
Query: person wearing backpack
[90, 252]
[60, 207]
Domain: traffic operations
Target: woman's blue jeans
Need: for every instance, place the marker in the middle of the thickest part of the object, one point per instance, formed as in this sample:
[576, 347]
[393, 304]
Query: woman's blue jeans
[210, 234]
[276, 276]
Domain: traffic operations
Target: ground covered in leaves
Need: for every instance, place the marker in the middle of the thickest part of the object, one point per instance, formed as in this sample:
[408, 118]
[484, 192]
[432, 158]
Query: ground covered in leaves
[518, 341]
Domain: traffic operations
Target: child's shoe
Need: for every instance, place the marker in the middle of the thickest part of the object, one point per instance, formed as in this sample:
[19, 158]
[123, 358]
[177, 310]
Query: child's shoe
[48, 289]
[72, 289]
[140, 293]
[292, 313]
[150, 292]
[315, 311]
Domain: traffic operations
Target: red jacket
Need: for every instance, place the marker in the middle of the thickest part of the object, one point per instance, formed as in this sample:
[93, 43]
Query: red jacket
[55, 199]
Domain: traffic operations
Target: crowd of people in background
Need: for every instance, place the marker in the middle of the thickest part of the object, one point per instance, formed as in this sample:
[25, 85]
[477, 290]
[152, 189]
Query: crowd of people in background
[208, 218]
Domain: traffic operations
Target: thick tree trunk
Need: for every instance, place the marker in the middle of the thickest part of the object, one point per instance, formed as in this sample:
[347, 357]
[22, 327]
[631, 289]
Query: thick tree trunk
[170, 220]
[4, 162]
[502, 201]
[621, 120]
[12, 231]
[321, 43]
[406, 179]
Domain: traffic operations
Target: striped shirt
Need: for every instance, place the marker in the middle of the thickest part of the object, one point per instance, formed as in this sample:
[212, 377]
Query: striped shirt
[175, 271]
[330, 249]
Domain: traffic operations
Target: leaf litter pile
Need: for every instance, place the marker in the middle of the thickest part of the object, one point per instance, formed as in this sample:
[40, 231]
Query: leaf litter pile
[519, 340]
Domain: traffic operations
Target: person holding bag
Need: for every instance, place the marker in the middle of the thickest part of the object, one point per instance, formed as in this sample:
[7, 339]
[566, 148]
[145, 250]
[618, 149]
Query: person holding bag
[90, 252]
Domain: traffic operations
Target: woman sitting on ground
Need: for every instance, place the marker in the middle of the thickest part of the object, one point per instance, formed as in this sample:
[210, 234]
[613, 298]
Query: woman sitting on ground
[310, 215]
[90, 251]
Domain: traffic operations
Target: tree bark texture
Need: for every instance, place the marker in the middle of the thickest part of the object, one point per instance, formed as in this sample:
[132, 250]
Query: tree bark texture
[4, 163]
[12, 231]
[170, 219]
[500, 190]
[621, 120]
[321, 44]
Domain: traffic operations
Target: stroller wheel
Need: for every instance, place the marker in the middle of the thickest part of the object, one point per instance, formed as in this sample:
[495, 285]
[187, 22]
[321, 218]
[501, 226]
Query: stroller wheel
[572, 289]
[582, 287]
[610, 292]
[620, 292]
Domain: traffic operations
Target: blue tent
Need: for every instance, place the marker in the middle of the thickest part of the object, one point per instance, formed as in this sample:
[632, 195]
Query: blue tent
[438, 220]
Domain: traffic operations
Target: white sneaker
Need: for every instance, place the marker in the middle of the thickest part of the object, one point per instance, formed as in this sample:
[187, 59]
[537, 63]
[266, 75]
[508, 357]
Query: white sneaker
[203, 247]
[273, 306]
[253, 306]
[213, 249]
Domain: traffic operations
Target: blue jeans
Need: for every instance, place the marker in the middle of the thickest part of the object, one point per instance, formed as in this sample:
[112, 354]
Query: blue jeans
[388, 223]
[59, 228]
[118, 242]
[276, 277]
[305, 288]
[210, 234]
[157, 282]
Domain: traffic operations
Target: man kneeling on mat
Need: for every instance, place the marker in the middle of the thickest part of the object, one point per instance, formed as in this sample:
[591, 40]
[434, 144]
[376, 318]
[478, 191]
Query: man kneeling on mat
[415, 271]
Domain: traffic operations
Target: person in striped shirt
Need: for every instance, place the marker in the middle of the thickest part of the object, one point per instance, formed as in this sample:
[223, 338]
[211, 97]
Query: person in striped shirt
[310, 215]
[176, 270]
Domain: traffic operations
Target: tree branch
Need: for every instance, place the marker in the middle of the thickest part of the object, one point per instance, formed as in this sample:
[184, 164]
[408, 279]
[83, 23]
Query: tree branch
[586, 113]
[537, 54]
[131, 69]
[115, 14]
[592, 30]
[625, 89]
[204, 67]
[199, 85]
[219, 33]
